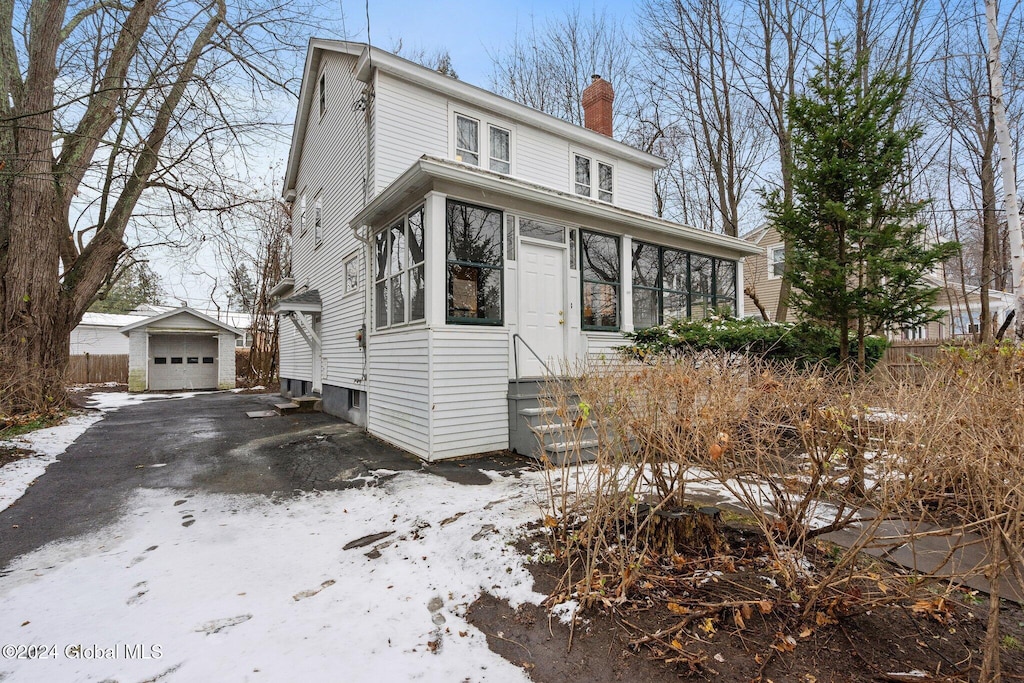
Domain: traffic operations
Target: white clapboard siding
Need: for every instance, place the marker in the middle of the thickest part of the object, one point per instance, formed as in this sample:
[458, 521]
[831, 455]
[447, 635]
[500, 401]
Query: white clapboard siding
[469, 390]
[296, 360]
[410, 121]
[542, 158]
[97, 340]
[601, 346]
[634, 188]
[332, 170]
[397, 392]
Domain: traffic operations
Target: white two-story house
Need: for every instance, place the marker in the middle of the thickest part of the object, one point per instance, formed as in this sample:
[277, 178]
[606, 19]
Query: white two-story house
[446, 241]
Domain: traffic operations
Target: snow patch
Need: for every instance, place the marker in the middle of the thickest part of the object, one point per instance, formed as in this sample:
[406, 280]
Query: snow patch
[266, 583]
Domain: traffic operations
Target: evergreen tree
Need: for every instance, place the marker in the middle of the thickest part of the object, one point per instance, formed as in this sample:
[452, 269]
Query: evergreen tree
[134, 285]
[858, 250]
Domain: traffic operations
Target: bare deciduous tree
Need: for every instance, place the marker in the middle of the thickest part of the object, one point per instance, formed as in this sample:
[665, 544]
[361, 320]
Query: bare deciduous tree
[106, 107]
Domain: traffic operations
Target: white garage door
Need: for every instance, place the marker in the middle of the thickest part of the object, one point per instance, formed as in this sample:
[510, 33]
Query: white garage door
[182, 361]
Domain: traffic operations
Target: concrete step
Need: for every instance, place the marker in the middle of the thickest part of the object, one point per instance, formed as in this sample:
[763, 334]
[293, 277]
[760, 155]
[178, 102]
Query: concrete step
[286, 408]
[307, 404]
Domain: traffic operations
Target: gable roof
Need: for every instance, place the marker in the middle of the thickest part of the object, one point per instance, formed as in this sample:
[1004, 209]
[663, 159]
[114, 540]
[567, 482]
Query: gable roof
[370, 58]
[146, 322]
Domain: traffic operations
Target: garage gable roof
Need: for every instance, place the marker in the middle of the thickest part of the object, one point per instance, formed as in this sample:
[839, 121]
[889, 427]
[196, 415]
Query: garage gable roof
[146, 322]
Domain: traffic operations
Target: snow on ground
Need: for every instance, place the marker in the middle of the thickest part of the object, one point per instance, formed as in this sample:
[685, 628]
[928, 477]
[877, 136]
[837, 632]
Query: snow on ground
[232, 587]
[48, 444]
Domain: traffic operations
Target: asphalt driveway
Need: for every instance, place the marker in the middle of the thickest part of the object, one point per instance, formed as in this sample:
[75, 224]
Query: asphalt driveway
[206, 443]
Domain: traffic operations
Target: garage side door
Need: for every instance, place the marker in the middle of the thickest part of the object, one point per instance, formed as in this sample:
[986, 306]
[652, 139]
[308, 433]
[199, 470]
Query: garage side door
[179, 361]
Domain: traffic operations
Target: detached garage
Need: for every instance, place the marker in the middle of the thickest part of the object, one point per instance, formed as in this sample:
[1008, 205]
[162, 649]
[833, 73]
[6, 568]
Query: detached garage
[180, 349]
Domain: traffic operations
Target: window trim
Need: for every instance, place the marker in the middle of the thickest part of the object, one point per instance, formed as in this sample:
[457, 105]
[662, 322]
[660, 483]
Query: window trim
[486, 322]
[596, 162]
[302, 214]
[455, 141]
[351, 259]
[491, 158]
[403, 273]
[769, 256]
[485, 122]
[584, 282]
[318, 221]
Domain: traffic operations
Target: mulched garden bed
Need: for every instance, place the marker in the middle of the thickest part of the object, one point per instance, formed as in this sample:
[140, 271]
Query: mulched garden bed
[724, 619]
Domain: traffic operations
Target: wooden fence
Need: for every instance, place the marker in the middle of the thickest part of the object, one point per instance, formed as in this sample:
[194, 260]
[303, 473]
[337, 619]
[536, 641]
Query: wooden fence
[907, 359]
[94, 369]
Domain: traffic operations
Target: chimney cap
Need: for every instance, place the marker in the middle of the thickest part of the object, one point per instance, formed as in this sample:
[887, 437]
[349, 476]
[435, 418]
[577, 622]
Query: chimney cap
[595, 77]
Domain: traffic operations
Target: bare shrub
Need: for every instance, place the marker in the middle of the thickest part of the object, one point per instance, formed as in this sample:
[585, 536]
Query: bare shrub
[789, 448]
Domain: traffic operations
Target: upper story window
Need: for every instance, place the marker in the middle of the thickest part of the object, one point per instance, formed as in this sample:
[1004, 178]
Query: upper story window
[302, 214]
[473, 243]
[318, 222]
[601, 280]
[497, 143]
[398, 272]
[583, 169]
[776, 261]
[467, 140]
[501, 150]
[323, 93]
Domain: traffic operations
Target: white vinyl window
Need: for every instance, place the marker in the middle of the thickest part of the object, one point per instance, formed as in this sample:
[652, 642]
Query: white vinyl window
[483, 143]
[501, 150]
[776, 261]
[318, 222]
[467, 140]
[352, 274]
[302, 214]
[584, 182]
[604, 182]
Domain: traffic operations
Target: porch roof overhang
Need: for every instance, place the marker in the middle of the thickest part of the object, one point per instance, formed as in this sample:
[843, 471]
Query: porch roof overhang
[306, 302]
[428, 171]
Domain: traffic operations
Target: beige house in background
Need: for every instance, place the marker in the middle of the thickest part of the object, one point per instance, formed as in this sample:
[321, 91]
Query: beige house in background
[762, 283]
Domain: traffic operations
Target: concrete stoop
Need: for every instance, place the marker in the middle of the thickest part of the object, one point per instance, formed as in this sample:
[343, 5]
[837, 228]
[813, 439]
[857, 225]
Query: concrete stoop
[300, 404]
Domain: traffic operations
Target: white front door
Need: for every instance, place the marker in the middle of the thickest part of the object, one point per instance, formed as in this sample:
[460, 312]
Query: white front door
[541, 307]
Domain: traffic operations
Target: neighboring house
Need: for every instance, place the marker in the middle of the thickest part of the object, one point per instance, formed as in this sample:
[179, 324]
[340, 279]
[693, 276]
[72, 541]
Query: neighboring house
[98, 334]
[763, 278]
[436, 224]
[180, 348]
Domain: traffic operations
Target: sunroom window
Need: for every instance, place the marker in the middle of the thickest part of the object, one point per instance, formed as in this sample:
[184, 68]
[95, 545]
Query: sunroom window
[398, 272]
[474, 264]
[600, 260]
[670, 283]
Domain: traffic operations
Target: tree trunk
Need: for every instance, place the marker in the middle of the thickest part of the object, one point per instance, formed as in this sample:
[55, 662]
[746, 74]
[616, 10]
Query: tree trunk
[1008, 164]
[990, 228]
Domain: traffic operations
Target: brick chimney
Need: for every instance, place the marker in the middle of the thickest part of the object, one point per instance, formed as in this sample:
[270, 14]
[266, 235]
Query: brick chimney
[597, 105]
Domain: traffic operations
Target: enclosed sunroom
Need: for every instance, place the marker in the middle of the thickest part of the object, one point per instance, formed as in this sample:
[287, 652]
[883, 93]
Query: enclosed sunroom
[478, 281]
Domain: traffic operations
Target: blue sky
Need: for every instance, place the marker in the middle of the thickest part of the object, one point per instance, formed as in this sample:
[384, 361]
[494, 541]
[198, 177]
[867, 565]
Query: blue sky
[471, 30]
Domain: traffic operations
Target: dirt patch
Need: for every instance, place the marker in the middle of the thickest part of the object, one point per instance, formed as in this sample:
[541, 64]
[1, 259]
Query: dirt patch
[615, 643]
[10, 454]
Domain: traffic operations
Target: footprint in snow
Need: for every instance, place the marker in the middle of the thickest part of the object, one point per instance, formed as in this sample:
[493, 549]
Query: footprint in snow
[301, 595]
[218, 625]
[139, 595]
